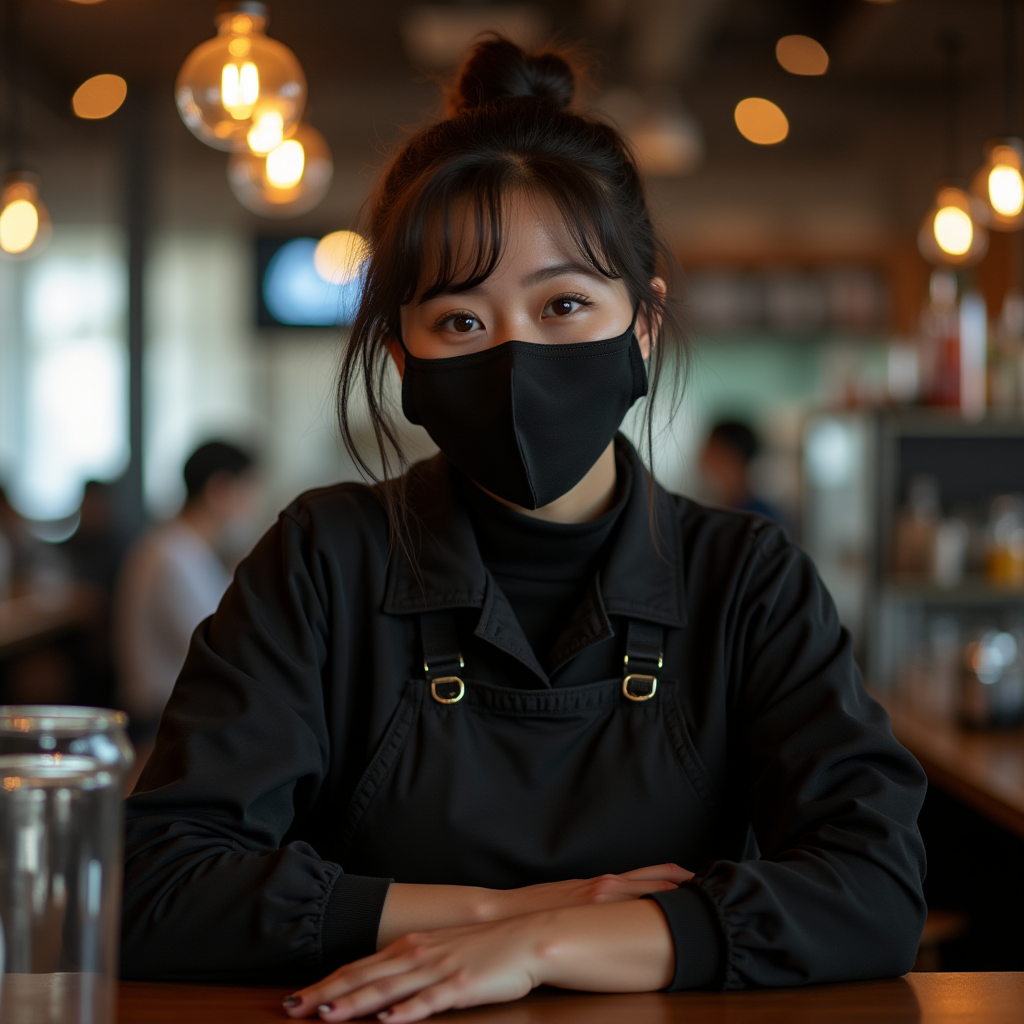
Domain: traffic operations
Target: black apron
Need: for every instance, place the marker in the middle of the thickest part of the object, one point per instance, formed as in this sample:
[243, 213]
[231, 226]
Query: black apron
[476, 784]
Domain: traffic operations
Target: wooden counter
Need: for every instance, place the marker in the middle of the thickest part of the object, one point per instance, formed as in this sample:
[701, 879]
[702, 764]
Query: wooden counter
[916, 999]
[983, 769]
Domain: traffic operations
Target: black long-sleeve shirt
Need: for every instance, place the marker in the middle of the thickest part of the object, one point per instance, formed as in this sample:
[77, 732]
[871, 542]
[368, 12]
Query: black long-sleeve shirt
[290, 686]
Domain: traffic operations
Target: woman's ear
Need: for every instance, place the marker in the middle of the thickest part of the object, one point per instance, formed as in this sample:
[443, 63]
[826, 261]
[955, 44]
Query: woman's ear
[397, 354]
[646, 330]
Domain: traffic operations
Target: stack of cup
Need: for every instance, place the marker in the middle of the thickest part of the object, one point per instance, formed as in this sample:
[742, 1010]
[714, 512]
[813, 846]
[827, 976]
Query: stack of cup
[62, 772]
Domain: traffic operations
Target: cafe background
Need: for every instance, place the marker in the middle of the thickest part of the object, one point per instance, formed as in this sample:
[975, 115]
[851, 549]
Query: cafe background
[840, 180]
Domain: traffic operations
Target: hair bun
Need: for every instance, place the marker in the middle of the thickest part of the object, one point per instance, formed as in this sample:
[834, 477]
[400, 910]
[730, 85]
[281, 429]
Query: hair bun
[497, 69]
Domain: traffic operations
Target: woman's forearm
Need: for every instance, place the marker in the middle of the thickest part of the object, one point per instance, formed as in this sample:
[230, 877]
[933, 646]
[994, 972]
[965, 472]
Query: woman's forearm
[613, 947]
[414, 908]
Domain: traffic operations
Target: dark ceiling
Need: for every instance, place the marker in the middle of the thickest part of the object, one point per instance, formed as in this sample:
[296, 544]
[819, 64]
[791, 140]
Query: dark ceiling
[881, 109]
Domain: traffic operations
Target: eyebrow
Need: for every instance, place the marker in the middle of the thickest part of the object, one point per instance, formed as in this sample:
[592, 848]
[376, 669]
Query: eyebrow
[557, 269]
[536, 277]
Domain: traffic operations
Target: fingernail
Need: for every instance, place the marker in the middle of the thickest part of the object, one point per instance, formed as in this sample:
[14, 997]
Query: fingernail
[324, 1008]
[384, 1014]
[290, 1001]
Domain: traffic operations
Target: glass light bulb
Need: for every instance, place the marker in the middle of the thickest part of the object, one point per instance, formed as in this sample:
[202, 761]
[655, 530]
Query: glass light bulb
[228, 84]
[954, 231]
[19, 225]
[267, 133]
[286, 164]
[1006, 190]
[24, 222]
[289, 180]
[339, 256]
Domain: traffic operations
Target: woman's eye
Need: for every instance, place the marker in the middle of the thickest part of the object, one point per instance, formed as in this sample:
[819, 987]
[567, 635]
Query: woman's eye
[462, 323]
[562, 306]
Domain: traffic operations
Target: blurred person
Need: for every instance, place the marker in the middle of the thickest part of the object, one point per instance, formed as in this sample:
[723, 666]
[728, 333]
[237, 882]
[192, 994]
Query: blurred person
[516, 715]
[95, 553]
[174, 578]
[725, 463]
[97, 547]
[31, 564]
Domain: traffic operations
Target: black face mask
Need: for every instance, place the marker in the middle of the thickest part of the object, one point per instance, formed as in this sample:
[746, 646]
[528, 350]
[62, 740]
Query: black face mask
[526, 421]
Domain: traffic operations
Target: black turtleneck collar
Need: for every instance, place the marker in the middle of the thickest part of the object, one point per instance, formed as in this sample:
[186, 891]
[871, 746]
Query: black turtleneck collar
[543, 568]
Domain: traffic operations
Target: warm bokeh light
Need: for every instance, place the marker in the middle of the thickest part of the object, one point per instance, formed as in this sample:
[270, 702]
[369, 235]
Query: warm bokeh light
[761, 121]
[339, 256]
[19, 225]
[953, 230]
[24, 222]
[285, 164]
[99, 96]
[267, 133]
[1006, 190]
[801, 55]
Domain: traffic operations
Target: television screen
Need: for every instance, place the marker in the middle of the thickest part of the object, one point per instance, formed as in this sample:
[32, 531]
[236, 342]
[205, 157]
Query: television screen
[290, 292]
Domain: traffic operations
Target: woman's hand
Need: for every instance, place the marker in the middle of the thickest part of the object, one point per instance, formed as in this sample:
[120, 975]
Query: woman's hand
[414, 908]
[621, 947]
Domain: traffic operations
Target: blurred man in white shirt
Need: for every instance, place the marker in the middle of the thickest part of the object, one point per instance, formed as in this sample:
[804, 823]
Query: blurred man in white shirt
[174, 578]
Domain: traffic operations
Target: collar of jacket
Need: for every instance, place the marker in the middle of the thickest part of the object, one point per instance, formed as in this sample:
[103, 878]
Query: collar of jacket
[639, 580]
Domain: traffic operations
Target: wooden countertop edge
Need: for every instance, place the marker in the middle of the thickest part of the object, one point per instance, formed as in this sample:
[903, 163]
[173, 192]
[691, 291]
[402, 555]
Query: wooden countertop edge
[955, 770]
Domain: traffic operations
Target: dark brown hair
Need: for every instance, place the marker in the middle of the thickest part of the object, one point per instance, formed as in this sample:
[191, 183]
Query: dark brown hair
[509, 130]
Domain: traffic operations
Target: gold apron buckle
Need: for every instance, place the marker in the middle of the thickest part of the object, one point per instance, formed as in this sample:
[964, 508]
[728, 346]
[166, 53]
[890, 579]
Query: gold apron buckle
[651, 680]
[449, 681]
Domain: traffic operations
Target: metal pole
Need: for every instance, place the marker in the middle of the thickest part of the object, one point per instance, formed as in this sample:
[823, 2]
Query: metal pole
[137, 165]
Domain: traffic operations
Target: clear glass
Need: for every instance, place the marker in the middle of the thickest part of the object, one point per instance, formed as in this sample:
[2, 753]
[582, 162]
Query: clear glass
[62, 775]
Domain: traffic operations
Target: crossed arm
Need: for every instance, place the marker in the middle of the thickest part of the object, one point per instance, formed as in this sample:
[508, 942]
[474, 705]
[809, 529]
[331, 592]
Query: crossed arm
[443, 947]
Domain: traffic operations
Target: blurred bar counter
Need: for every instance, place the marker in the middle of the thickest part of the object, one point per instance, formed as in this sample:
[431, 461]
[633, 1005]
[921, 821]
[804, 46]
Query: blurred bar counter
[983, 769]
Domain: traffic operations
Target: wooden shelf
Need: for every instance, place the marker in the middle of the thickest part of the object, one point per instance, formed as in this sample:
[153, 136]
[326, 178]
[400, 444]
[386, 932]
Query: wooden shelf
[973, 591]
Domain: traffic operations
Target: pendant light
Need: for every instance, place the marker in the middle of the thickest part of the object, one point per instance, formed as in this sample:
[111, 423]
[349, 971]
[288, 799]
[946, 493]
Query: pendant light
[289, 180]
[952, 232]
[241, 90]
[999, 183]
[24, 221]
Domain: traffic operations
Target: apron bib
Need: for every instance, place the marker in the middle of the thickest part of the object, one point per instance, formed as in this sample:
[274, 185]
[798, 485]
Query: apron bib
[476, 784]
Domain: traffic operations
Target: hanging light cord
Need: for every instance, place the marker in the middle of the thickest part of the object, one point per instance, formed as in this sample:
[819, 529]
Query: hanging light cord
[951, 46]
[1010, 66]
[12, 73]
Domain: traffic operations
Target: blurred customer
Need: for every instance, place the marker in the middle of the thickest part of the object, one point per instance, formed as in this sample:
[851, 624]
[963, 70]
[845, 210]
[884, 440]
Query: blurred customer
[95, 552]
[26, 562]
[174, 578]
[97, 547]
[725, 463]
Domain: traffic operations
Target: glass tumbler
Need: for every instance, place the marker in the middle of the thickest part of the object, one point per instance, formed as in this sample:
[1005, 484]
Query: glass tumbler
[62, 775]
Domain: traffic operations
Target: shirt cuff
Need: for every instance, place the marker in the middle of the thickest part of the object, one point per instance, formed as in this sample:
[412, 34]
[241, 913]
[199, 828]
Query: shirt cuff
[697, 935]
[351, 919]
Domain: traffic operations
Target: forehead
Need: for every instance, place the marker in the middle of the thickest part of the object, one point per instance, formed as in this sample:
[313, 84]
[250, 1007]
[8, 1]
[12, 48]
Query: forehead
[472, 243]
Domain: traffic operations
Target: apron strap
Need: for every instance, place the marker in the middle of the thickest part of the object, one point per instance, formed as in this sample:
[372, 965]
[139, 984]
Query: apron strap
[442, 658]
[645, 644]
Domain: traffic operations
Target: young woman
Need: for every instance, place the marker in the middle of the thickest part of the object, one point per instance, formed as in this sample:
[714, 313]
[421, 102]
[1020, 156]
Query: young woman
[519, 716]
